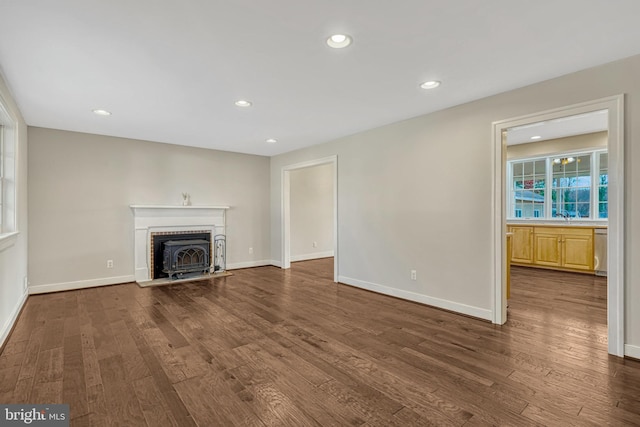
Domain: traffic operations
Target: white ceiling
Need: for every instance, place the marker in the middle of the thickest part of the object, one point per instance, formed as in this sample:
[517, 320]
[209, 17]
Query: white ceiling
[170, 71]
[578, 124]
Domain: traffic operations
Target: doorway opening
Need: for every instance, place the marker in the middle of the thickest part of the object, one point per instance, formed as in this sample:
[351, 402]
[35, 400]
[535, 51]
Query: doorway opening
[305, 226]
[613, 108]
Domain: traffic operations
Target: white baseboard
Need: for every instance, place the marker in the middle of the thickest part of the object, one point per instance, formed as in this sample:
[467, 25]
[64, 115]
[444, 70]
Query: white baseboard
[306, 257]
[632, 351]
[248, 264]
[424, 299]
[276, 263]
[6, 328]
[80, 284]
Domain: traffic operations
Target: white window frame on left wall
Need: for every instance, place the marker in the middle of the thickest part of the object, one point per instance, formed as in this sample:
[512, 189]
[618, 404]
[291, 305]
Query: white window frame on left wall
[8, 165]
[2, 168]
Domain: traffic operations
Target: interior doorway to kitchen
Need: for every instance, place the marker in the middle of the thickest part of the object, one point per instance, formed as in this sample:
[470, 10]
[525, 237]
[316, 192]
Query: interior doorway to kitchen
[515, 203]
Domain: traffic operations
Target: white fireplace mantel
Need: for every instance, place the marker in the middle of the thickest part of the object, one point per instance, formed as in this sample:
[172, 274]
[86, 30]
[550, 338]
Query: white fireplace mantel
[176, 207]
[161, 219]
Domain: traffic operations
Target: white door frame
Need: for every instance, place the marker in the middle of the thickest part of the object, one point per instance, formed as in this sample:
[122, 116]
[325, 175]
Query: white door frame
[286, 209]
[615, 243]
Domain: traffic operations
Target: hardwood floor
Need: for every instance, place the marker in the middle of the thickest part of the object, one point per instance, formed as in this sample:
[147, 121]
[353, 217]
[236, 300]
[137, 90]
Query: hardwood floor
[273, 347]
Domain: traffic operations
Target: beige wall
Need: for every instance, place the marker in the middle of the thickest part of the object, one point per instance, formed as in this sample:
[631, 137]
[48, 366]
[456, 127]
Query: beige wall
[559, 145]
[13, 259]
[311, 212]
[81, 186]
[395, 214]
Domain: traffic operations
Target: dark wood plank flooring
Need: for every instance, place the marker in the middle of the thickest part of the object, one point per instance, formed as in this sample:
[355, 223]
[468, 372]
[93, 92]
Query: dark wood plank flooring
[273, 347]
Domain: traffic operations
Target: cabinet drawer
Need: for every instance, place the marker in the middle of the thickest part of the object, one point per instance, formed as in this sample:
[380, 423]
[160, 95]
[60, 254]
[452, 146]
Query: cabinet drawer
[573, 231]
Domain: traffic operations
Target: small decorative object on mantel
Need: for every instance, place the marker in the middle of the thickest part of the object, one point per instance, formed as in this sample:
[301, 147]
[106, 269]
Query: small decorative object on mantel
[186, 199]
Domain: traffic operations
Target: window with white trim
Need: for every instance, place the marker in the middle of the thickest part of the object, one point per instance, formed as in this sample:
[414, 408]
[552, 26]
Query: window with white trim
[8, 146]
[603, 185]
[2, 204]
[571, 186]
[528, 178]
[562, 186]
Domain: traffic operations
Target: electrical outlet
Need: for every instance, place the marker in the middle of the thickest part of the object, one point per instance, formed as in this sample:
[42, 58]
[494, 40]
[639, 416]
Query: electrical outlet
[414, 275]
[109, 263]
[315, 244]
[250, 250]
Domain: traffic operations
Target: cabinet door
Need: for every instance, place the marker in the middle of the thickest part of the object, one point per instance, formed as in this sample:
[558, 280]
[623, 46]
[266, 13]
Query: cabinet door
[521, 244]
[548, 249]
[577, 250]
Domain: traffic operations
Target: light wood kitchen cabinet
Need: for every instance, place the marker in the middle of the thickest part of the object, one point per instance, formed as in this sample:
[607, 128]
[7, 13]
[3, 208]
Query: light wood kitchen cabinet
[548, 247]
[521, 244]
[565, 248]
[577, 249]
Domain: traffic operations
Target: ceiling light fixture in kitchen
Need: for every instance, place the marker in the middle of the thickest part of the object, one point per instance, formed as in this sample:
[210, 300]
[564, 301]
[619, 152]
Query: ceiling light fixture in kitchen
[564, 160]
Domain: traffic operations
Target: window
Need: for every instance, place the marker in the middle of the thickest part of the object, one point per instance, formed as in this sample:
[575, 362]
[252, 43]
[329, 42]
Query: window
[603, 186]
[571, 193]
[566, 185]
[8, 148]
[528, 185]
[2, 204]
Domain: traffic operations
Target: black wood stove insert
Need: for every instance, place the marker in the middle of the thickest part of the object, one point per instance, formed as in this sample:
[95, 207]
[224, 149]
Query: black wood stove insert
[186, 258]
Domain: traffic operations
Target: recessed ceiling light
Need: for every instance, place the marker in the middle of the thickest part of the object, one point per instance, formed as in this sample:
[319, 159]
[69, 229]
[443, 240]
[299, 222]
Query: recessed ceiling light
[431, 84]
[271, 141]
[101, 112]
[243, 103]
[536, 137]
[338, 41]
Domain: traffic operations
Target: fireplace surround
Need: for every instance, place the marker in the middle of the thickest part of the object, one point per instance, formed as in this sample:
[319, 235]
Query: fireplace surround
[177, 221]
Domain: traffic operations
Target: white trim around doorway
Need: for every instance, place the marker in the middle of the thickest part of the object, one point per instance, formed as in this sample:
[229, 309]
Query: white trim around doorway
[286, 209]
[615, 245]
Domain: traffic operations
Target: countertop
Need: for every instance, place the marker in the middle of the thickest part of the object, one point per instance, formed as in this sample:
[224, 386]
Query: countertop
[576, 224]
